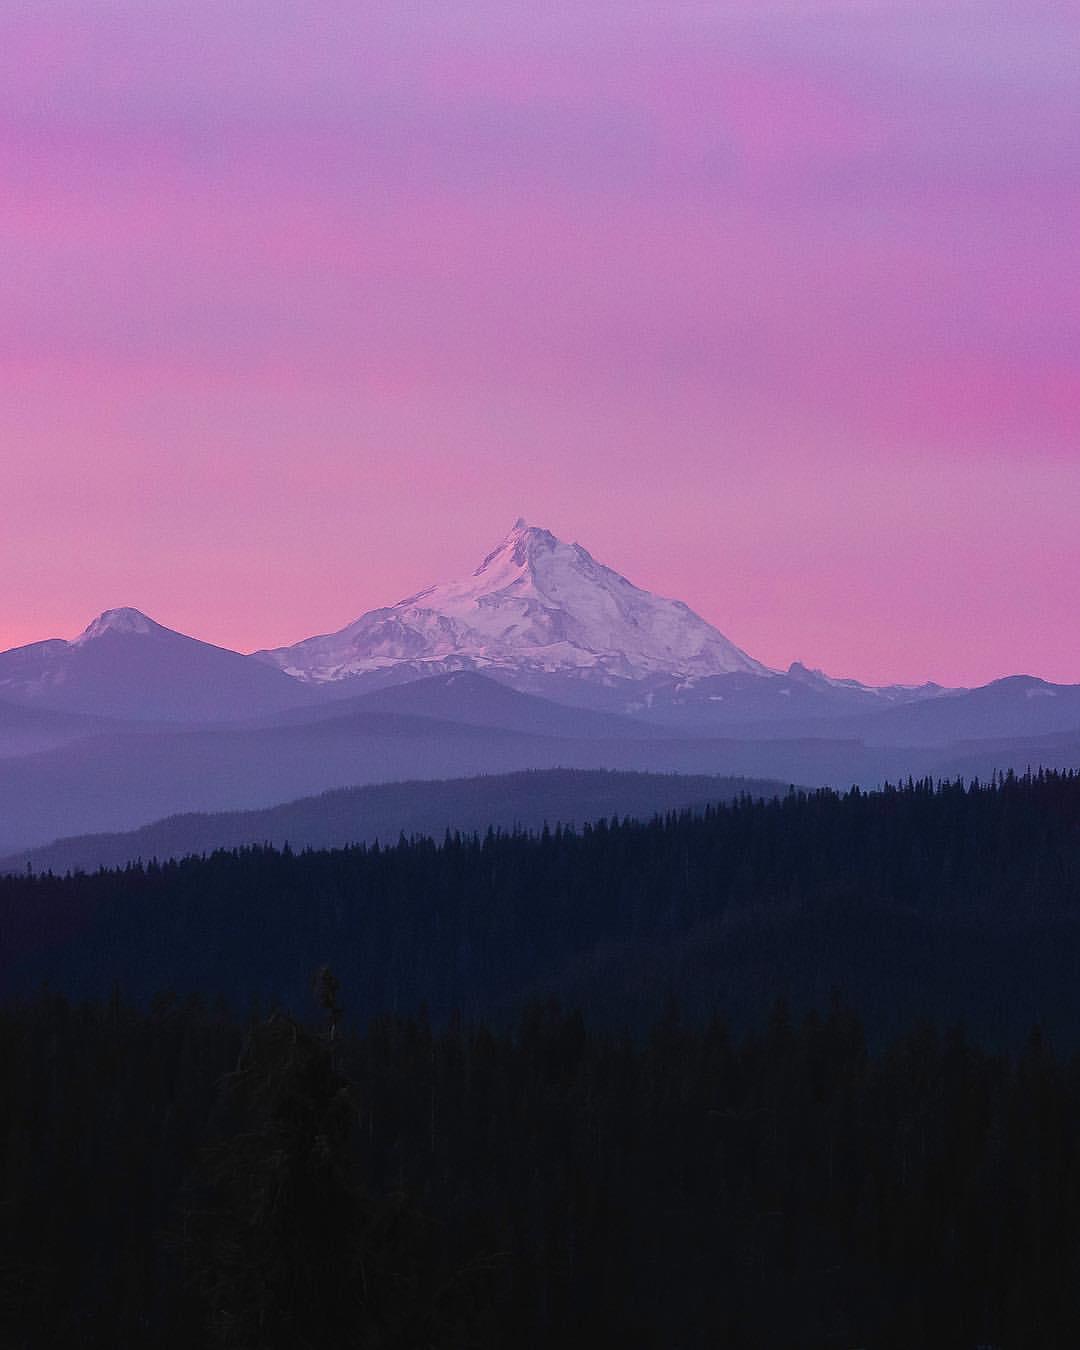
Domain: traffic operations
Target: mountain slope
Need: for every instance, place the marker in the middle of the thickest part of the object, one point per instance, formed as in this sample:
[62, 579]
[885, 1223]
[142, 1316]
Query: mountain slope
[472, 699]
[387, 810]
[535, 604]
[127, 666]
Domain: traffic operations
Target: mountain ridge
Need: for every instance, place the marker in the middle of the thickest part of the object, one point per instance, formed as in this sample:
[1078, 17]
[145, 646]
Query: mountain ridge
[537, 615]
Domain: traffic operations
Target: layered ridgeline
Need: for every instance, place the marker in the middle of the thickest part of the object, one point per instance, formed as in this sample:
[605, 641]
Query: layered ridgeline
[542, 659]
[537, 614]
[385, 812]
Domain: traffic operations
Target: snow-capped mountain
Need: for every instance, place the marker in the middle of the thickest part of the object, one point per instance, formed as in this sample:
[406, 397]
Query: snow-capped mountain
[125, 665]
[538, 614]
[535, 605]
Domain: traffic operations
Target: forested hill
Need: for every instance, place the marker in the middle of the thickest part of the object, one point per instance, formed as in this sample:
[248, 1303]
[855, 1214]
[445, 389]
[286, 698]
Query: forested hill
[382, 811]
[953, 902]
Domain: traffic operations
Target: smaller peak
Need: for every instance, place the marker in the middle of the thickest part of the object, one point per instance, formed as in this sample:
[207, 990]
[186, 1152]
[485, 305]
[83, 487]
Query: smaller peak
[1017, 682]
[123, 620]
[799, 670]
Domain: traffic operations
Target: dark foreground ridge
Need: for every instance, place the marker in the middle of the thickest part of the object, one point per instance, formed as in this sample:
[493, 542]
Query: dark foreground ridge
[959, 903]
[175, 1179]
[385, 811]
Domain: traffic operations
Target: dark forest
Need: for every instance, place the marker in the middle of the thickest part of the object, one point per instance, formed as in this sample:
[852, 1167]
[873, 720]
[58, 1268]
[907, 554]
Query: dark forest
[955, 903]
[802, 1072]
[173, 1179]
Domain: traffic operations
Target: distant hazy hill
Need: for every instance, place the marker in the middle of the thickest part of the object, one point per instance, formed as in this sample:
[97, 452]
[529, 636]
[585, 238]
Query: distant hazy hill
[388, 810]
[27, 731]
[120, 782]
[469, 699]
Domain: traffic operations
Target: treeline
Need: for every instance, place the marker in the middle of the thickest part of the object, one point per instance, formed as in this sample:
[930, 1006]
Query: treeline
[383, 811]
[172, 1178]
[959, 903]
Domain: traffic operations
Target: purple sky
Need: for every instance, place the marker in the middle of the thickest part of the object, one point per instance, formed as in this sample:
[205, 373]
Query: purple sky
[773, 306]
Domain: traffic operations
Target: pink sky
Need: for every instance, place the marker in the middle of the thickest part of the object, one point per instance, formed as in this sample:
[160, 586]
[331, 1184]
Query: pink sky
[773, 306]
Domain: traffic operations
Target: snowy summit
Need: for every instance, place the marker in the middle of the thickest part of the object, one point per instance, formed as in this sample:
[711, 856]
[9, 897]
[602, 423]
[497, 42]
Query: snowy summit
[124, 621]
[534, 605]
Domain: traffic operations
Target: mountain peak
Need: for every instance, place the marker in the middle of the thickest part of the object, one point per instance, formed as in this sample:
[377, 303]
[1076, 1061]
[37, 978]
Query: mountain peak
[124, 621]
[534, 605]
[521, 529]
[519, 547]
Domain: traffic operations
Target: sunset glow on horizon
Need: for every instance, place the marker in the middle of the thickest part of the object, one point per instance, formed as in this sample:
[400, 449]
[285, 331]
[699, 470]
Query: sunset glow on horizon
[774, 307]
